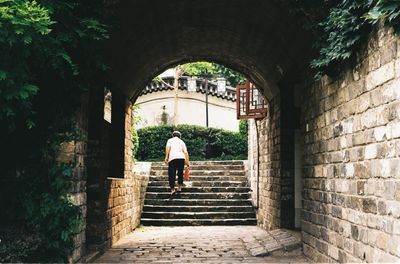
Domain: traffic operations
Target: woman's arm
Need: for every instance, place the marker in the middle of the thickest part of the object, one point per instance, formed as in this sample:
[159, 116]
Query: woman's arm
[167, 150]
[187, 162]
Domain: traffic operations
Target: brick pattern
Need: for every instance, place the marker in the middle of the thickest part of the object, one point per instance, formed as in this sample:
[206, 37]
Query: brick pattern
[126, 195]
[119, 201]
[125, 203]
[268, 213]
[75, 152]
[351, 206]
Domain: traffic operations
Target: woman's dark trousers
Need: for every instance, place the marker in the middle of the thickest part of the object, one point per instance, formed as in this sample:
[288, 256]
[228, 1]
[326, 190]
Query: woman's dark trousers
[173, 166]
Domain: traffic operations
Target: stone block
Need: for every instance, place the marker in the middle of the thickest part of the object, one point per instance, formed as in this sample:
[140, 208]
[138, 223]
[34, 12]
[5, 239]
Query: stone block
[354, 202]
[397, 193]
[388, 52]
[395, 129]
[390, 190]
[391, 150]
[382, 208]
[371, 151]
[396, 228]
[372, 236]
[333, 252]
[376, 168]
[394, 245]
[362, 169]
[78, 198]
[393, 208]
[363, 103]
[380, 76]
[387, 225]
[397, 67]
[374, 61]
[380, 133]
[361, 187]
[369, 205]
[354, 232]
[337, 211]
[66, 153]
[385, 168]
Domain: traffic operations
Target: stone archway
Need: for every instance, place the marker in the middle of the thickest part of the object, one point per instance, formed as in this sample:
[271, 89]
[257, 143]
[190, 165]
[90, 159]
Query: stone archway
[347, 125]
[253, 37]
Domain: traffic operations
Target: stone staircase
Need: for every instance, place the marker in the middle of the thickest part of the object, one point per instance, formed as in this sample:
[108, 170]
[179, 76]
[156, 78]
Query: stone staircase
[216, 194]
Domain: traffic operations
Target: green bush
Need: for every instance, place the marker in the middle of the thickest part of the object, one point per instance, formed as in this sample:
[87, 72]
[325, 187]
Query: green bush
[244, 127]
[135, 136]
[202, 143]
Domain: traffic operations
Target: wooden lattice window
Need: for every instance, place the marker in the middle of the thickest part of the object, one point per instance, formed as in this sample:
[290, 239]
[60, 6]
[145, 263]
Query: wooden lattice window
[250, 102]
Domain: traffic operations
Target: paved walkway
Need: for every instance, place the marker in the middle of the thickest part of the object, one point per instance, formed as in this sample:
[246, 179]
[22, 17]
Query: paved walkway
[206, 244]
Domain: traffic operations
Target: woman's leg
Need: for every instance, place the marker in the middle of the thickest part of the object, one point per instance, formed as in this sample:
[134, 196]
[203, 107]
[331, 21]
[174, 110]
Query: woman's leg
[180, 166]
[172, 173]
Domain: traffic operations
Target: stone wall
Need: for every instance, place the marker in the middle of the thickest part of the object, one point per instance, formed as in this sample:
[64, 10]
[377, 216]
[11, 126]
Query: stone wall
[76, 152]
[350, 144]
[351, 196]
[111, 203]
[269, 190]
[125, 196]
[141, 174]
[157, 108]
[125, 202]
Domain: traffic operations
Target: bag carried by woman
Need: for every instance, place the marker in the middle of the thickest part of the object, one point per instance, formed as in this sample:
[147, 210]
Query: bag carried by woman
[187, 174]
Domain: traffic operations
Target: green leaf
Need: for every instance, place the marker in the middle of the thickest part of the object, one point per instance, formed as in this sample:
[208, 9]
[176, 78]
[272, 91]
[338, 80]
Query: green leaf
[3, 75]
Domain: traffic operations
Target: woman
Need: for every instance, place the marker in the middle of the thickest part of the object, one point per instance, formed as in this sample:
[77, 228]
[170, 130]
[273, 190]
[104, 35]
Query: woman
[176, 156]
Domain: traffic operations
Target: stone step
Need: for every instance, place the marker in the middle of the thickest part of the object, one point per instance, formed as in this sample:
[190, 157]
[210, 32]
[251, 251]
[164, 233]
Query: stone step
[197, 222]
[185, 195]
[163, 189]
[204, 178]
[204, 167]
[188, 202]
[203, 183]
[197, 215]
[198, 208]
[203, 173]
[216, 194]
[211, 162]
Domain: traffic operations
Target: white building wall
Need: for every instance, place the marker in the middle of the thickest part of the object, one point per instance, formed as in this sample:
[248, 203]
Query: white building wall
[191, 110]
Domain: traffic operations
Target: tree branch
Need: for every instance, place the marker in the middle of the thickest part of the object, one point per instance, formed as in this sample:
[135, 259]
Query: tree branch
[165, 83]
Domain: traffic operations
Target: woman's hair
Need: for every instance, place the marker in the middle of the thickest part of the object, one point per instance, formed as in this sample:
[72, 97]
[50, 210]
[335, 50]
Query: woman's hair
[176, 134]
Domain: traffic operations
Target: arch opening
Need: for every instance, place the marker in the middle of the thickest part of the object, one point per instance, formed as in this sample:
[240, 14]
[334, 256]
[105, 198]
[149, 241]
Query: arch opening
[145, 44]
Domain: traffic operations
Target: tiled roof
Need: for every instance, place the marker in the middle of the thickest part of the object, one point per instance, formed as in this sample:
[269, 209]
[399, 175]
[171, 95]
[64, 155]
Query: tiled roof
[229, 94]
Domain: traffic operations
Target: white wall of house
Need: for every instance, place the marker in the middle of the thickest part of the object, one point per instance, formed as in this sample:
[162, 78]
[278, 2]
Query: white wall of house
[157, 107]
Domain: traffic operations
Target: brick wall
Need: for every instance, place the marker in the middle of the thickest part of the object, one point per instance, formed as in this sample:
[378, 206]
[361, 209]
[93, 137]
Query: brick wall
[125, 203]
[111, 207]
[268, 213]
[126, 195]
[351, 206]
[141, 174]
[76, 152]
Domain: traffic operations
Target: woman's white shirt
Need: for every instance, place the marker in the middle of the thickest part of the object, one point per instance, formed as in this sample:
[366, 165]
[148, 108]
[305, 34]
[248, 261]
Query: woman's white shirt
[178, 148]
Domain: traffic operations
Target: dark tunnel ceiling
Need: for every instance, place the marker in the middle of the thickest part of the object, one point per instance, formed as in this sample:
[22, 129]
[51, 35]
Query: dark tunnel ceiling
[254, 37]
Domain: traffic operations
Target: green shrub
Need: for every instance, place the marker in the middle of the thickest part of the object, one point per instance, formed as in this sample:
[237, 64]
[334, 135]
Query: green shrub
[135, 136]
[244, 127]
[202, 143]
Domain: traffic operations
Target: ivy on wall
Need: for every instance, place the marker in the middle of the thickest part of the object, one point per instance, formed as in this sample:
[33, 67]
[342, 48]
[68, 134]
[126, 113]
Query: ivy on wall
[343, 27]
[48, 59]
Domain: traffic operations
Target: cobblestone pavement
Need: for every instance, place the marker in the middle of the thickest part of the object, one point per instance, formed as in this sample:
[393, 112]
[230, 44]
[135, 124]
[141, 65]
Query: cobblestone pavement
[206, 244]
